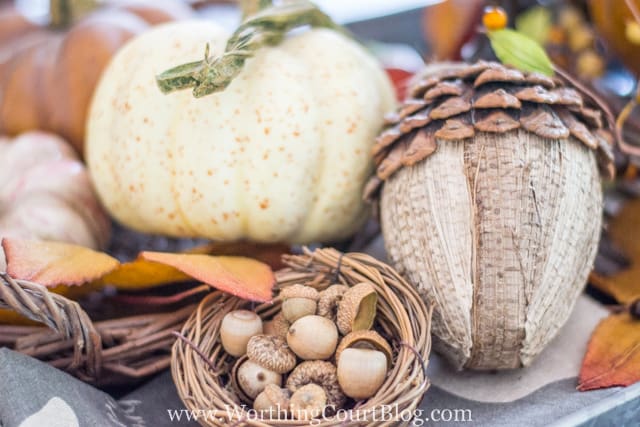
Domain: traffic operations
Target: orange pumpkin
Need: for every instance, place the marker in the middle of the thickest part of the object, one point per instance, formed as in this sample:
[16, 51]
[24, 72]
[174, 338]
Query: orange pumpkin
[47, 77]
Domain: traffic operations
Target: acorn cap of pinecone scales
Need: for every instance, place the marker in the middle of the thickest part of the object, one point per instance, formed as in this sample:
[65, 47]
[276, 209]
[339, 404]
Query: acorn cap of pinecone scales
[456, 101]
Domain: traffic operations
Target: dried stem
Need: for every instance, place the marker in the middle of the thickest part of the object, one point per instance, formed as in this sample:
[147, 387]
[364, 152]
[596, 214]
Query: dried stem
[266, 28]
[63, 13]
[251, 7]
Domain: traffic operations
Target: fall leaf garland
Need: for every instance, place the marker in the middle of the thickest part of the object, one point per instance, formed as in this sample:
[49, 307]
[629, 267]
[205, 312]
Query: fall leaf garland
[52, 264]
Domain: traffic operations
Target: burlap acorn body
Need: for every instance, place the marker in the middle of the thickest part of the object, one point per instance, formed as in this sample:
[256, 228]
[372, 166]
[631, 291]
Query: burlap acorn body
[490, 203]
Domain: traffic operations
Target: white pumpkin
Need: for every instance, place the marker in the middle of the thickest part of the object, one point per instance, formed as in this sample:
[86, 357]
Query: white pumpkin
[281, 155]
[45, 193]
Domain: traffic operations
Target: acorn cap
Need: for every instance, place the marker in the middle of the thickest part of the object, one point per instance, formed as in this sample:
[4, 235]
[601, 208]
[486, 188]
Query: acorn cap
[234, 380]
[328, 301]
[299, 291]
[278, 326]
[321, 373]
[271, 352]
[308, 402]
[357, 309]
[368, 339]
[455, 101]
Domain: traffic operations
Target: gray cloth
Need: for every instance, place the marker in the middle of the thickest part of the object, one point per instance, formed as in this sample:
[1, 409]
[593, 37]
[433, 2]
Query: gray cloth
[33, 394]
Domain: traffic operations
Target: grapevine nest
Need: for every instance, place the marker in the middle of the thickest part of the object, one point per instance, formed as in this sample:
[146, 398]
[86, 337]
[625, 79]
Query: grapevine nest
[115, 351]
[201, 368]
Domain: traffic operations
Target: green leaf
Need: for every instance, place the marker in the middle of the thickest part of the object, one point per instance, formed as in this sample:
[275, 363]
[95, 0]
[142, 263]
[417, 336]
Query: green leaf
[516, 49]
[535, 23]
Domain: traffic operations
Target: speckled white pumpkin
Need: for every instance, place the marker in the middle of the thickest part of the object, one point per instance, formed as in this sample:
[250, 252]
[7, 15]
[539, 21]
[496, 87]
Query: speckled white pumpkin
[281, 155]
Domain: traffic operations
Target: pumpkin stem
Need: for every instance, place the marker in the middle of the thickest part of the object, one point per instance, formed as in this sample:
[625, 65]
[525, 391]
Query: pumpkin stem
[63, 13]
[265, 28]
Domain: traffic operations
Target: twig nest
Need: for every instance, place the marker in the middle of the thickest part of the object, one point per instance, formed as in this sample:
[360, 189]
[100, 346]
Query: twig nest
[329, 299]
[278, 326]
[272, 402]
[367, 339]
[361, 372]
[313, 337]
[357, 308]
[298, 301]
[271, 352]
[251, 379]
[237, 328]
[321, 373]
[308, 402]
[488, 181]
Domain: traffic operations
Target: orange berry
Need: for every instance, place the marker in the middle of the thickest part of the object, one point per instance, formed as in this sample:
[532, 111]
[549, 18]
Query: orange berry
[494, 18]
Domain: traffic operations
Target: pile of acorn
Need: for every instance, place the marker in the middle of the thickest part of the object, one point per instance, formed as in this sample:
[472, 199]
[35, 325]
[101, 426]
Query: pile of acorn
[320, 346]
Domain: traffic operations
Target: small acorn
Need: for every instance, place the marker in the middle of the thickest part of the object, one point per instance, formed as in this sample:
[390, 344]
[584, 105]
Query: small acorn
[361, 372]
[298, 301]
[251, 378]
[357, 308]
[366, 339]
[237, 328]
[273, 402]
[313, 337]
[308, 402]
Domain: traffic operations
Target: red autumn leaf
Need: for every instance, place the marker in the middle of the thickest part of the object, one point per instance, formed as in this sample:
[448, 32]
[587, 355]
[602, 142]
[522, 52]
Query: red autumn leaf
[613, 354]
[269, 253]
[400, 79]
[54, 263]
[240, 276]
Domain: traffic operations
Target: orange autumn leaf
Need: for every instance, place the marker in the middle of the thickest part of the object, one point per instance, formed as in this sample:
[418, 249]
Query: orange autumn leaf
[448, 24]
[613, 354]
[624, 231]
[142, 274]
[54, 263]
[240, 276]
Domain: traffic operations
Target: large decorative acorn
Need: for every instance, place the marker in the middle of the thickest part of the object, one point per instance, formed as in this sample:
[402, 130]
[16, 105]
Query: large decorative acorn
[490, 203]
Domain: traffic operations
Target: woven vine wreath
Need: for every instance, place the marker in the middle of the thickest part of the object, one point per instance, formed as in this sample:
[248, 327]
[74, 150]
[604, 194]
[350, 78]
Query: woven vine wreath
[201, 368]
[488, 180]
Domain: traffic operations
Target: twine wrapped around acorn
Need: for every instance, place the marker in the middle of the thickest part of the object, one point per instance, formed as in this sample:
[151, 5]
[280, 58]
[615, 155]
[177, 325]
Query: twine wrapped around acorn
[490, 203]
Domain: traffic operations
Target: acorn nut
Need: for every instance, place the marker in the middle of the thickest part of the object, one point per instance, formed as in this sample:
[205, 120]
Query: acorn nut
[368, 339]
[357, 308]
[277, 326]
[361, 372]
[272, 402]
[298, 301]
[237, 328]
[251, 378]
[308, 402]
[313, 337]
[271, 352]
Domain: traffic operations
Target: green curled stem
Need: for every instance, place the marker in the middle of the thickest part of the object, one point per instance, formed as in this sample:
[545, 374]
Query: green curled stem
[267, 27]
